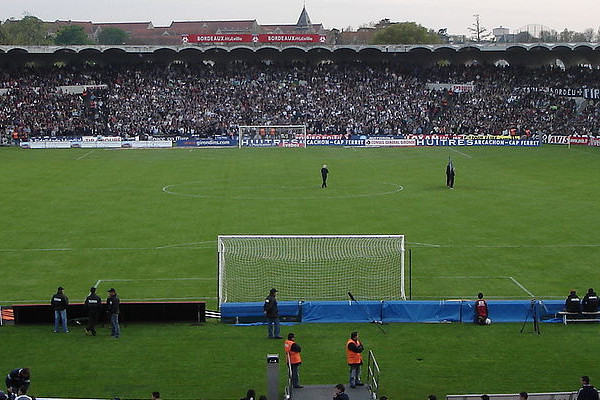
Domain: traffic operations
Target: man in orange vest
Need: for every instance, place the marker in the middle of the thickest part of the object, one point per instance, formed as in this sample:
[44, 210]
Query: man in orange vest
[293, 350]
[354, 348]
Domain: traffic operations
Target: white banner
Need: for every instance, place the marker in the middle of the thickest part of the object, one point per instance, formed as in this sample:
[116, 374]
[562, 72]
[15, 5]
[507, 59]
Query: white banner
[389, 142]
[150, 144]
[78, 89]
[455, 87]
[96, 144]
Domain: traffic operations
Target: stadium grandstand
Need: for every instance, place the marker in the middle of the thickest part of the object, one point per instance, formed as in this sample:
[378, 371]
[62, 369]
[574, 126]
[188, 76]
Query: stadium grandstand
[182, 97]
[192, 84]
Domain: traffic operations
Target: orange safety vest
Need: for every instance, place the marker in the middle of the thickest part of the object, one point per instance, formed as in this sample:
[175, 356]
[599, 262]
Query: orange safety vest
[294, 355]
[352, 357]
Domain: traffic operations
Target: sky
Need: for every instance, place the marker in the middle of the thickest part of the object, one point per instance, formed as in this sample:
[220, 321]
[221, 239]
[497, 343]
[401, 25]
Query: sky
[455, 15]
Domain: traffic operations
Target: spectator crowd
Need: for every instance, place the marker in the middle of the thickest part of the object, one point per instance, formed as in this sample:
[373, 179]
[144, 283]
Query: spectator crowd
[204, 100]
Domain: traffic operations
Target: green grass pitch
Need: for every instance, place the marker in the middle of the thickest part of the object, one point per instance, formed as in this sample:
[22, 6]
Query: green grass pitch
[520, 222]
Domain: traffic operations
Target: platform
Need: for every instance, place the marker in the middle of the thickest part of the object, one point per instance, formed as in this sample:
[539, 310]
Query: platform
[325, 392]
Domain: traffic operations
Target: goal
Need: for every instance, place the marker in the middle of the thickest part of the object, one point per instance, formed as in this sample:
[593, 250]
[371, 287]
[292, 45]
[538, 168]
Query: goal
[272, 136]
[308, 267]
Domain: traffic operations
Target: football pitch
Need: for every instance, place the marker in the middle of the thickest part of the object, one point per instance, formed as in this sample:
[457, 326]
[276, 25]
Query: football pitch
[520, 223]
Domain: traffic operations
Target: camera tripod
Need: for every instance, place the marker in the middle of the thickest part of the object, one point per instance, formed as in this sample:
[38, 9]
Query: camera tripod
[534, 316]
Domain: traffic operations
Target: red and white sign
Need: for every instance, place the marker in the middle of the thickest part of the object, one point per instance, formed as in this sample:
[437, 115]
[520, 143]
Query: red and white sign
[291, 38]
[252, 38]
[594, 142]
[583, 140]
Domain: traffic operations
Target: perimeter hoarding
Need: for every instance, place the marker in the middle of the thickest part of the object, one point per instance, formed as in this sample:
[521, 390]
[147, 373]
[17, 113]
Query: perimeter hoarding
[463, 142]
[255, 38]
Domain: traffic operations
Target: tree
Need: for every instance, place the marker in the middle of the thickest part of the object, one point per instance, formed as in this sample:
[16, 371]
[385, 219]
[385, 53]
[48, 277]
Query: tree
[589, 35]
[406, 33]
[2, 35]
[478, 32]
[112, 35]
[549, 36]
[71, 34]
[525, 37]
[29, 31]
[566, 36]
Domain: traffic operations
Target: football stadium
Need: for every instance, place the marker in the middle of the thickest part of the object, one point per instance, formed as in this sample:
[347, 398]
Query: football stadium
[378, 189]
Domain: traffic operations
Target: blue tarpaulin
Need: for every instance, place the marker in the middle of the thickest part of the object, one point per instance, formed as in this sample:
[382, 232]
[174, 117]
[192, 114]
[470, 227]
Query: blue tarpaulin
[401, 311]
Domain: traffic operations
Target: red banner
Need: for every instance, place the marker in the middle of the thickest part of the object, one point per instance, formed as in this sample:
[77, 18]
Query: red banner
[584, 140]
[291, 38]
[251, 38]
[235, 38]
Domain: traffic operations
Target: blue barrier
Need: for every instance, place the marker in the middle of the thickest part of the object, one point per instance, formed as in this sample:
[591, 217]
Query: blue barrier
[399, 311]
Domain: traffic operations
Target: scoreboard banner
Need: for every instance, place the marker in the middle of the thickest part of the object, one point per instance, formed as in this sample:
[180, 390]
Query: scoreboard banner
[255, 38]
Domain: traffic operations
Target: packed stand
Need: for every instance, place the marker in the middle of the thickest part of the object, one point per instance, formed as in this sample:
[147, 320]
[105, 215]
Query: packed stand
[204, 101]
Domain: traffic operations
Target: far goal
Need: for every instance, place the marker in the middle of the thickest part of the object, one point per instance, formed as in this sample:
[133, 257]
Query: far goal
[272, 136]
[311, 267]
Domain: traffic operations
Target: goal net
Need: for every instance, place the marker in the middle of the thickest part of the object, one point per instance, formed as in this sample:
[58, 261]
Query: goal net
[324, 267]
[272, 136]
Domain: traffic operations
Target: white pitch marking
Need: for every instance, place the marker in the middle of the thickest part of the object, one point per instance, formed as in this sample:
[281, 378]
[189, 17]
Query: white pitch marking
[169, 190]
[184, 244]
[157, 279]
[461, 153]
[461, 277]
[521, 286]
[172, 246]
[424, 244]
[86, 154]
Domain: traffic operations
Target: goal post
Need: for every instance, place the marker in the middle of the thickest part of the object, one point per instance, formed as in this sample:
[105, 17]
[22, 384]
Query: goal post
[272, 136]
[311, 267]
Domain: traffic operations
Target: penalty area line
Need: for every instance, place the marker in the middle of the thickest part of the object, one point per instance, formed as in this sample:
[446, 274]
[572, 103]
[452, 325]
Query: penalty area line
[461, 153]
[521, 286]
[85, 155]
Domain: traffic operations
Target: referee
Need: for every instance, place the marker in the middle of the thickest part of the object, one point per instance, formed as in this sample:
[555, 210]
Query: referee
[324, 173]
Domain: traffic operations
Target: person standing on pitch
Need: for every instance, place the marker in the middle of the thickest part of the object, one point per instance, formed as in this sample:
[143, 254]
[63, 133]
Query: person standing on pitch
[272, 313]
[59, 303]
[292, 349]
[354, 348]
[92, 303]
[324, 173]
[112, 303]
[450, 175]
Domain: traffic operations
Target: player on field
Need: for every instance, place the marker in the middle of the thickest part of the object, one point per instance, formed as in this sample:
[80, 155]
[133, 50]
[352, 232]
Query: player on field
[450, 175]
[324, 173]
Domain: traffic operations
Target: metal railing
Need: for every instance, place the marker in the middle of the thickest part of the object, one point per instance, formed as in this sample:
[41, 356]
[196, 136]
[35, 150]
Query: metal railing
[373, 374]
